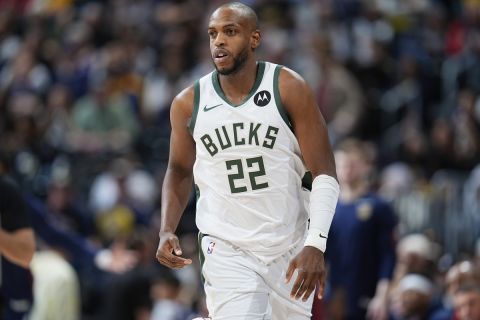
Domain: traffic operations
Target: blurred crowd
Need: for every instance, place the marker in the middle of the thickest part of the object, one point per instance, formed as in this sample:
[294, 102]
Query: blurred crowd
[85, 91]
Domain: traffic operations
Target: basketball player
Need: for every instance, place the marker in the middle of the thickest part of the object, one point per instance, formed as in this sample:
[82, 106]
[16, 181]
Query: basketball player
[246, 134]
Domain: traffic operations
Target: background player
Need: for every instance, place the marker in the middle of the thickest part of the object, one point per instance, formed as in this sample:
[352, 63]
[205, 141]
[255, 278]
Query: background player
[248, 168]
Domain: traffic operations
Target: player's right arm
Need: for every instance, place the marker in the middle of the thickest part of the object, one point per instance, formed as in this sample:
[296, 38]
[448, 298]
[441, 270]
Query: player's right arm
[177, 184]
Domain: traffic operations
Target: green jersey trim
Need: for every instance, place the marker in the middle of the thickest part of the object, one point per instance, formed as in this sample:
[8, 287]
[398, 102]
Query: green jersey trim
[307, 181]
[256, 84]
[278, 99]
[197, 192]
[196, 102]
[201, 256]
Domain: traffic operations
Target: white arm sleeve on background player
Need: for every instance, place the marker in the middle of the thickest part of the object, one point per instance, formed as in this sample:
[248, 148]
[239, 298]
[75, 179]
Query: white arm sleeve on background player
[323, 201]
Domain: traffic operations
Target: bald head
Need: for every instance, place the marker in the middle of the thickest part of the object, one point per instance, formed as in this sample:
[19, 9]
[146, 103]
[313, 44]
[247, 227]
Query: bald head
[242, 11]
[234, 36]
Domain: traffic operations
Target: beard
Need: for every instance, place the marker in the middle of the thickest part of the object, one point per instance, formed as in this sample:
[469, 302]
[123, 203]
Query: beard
[238, 63]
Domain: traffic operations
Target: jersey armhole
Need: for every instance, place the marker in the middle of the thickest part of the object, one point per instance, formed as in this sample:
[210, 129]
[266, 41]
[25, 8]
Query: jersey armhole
[278, 99]
[196, 101]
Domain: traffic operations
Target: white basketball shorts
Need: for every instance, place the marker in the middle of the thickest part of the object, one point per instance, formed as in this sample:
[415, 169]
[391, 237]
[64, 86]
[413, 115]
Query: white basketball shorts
[239, 286]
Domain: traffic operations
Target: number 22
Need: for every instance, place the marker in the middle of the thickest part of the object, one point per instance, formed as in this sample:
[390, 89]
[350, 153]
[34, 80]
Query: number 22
[239, 174]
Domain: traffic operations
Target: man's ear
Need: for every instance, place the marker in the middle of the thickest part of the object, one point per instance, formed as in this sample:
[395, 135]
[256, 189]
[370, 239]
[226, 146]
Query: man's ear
[256, 37]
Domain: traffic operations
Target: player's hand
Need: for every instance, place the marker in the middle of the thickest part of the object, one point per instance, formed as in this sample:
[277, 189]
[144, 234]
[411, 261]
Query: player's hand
[311, 273]
[169, 251]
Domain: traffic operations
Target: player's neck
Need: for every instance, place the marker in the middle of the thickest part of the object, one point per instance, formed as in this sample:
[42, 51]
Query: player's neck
[238, 85]
[351, 192]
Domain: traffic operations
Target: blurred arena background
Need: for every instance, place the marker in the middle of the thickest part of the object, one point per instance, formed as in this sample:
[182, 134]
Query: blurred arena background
[85, 91]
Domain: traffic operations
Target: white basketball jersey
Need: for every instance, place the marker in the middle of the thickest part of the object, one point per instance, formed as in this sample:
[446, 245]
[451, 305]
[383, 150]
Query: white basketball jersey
[248, 170]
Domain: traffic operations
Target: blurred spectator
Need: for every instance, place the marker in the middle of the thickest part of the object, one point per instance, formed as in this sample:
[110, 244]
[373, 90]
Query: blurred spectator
[122, 197]
[361, 254]
[120, 78]
[467, 129]
[126, 295]
[455, 140]
[442, 140]
[11, 41]
[462, 70]
[402, 114]
[165, 291]
[461, 274]
[410, 195]
[467, 302]
[78, 250]
[449, 220]
[471, 205]
[65, 211]
[161, 84]
[416, 254]
[25, 73]
[339, 96]
[23, 124]
[57, 294]
[369, 28]
[60, 248]
[103, 121]
[414, 300]
[74, 66]
[58, 122]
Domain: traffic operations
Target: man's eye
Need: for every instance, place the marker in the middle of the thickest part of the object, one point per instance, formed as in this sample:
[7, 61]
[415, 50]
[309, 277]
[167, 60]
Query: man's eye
[230, 32]
[212, 34]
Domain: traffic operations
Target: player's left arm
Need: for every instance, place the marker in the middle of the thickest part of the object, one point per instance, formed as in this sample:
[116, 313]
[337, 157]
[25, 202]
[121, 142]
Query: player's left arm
[310, 130]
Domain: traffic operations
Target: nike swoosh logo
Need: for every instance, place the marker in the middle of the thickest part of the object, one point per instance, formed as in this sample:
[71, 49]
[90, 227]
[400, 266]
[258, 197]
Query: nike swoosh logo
[322, 236]
[208, 109]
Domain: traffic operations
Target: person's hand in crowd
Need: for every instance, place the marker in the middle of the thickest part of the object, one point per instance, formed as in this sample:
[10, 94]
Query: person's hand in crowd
[377, 308]
[116, 259]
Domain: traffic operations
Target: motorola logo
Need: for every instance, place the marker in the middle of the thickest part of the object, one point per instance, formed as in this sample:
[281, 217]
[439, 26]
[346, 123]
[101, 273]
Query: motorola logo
[262, 98]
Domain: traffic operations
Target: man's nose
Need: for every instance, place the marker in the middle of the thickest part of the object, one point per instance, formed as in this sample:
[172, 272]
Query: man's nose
[219, 40]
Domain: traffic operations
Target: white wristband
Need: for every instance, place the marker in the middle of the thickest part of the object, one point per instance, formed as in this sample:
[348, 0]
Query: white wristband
[323, 201]
[316, 239]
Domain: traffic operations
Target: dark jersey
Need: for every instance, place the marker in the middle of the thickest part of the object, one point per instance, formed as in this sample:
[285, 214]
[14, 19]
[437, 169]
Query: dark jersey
[361, 251]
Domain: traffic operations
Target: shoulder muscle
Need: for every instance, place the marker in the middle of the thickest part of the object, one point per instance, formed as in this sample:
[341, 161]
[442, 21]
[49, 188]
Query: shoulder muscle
[182, 106]
[294, 90]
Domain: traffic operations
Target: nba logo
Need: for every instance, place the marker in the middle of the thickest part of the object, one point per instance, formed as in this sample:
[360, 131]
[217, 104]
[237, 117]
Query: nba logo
[211, 245]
